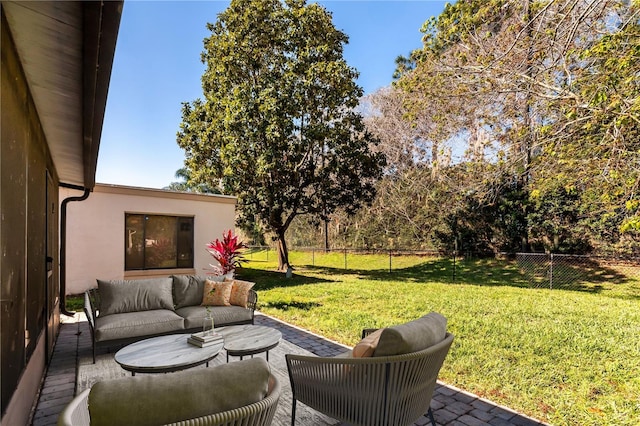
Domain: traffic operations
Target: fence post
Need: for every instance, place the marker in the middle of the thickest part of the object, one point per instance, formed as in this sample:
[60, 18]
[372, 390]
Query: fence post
[551, 273]
[313, 257]
[389, 260]
[345, 258]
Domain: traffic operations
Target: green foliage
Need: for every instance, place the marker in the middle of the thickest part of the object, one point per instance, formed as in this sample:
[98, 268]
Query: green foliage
[459, 21]
[74, 303]
[277, 125]
[415, 210]
[598, 148]
[186, 184]
[554, 222]
[489, 225]
[543, 100]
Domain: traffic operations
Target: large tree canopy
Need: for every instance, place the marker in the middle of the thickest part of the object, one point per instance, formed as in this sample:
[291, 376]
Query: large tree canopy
[544, 93]
[517, 118]
[277, 126]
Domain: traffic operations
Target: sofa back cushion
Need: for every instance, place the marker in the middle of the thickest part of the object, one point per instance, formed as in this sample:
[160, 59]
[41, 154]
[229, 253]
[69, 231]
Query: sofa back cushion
[188, 289]
[166, 398]
[412, 336]
[120, 296]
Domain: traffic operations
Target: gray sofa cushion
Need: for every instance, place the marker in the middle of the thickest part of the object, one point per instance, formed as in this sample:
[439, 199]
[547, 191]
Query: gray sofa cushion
[119, 296]
[137, 324]
[412, 336]
[193, 315]
[166, 398]
[188, 289]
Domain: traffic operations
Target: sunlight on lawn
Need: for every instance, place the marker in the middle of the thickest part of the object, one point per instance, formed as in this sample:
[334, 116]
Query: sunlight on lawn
[561, 356]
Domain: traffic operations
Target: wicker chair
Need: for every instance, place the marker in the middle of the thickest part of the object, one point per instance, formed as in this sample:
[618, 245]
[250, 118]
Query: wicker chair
[76, 413]
[391, 391]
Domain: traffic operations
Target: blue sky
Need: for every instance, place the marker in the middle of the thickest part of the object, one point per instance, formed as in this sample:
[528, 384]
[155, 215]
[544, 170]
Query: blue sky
[157, 67]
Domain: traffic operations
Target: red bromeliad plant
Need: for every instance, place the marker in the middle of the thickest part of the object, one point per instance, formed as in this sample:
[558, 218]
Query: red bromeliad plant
[226, 252]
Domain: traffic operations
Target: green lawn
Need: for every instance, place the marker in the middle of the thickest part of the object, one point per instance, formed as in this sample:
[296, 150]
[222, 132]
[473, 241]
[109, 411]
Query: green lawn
[565, 357]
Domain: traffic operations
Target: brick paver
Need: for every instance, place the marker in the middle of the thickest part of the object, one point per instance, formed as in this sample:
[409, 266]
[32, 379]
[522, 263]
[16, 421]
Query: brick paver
[450, 406]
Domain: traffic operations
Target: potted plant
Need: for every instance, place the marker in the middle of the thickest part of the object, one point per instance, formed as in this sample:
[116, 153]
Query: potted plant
[228, 254]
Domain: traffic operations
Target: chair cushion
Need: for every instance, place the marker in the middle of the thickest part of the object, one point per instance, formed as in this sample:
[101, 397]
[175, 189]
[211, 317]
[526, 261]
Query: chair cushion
[222, 315]
[188, 289]
[240, 293]
[184, 395]
[137, 324]
[119, 296]
[412, 336]
[216, 293]
[367, 346]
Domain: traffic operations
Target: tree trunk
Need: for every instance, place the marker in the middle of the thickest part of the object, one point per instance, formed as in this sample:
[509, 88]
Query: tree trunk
[283, 252]
[528, 122]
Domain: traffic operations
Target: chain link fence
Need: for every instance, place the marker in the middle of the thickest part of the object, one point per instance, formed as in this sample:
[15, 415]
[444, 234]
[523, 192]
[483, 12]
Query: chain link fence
[575, 272]
[533, 270]
[342, 258]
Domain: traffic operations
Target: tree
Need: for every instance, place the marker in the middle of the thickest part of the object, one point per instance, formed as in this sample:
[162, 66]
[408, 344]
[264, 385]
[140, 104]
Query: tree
[400, 140]
[594, 145]
[277, 124]
[185, 184]
[551, 87]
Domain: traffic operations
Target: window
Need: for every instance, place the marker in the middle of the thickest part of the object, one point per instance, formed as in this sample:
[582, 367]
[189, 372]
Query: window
[158, 242]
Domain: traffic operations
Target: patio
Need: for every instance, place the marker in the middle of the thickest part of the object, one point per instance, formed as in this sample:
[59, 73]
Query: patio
[451, 406]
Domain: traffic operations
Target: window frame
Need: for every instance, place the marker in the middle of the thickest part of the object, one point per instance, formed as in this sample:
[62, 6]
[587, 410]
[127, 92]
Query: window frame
[179, 246]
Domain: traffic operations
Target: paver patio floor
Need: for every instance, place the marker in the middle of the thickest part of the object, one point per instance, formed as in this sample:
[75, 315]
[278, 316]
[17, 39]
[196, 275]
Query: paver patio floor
[451, 406]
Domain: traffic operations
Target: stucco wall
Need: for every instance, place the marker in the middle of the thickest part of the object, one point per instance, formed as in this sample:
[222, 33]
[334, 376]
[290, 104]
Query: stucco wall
[95, 230]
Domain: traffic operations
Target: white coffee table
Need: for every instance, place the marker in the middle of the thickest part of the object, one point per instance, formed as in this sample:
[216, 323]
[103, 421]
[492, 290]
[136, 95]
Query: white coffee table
[243, 340]
[165, 354]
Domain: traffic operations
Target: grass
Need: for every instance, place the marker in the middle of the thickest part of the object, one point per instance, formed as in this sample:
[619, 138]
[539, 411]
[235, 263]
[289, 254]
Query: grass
[74, 303]
[568, 357]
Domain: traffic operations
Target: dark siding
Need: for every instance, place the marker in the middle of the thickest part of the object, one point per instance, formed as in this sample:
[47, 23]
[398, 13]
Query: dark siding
[24, 160]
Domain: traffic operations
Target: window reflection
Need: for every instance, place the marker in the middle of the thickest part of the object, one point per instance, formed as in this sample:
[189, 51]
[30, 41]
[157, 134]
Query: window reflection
[158, 242]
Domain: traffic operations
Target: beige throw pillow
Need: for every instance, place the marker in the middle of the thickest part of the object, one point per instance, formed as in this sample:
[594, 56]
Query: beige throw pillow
[216, 293]
[367, 346]
[188, 289]
[240, 292]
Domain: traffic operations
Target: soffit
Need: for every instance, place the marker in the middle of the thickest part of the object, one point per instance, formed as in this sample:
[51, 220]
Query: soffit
[56, 43]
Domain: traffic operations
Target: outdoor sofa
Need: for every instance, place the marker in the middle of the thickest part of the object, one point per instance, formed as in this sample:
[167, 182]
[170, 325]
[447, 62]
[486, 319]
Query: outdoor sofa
[388, 379]
[124, 311]
[242, 392]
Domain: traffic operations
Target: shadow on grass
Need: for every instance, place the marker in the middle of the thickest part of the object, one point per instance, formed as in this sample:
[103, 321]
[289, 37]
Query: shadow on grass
[285, 306]
[586, 276]
[266, 280]
[574, 273]
[441, 271]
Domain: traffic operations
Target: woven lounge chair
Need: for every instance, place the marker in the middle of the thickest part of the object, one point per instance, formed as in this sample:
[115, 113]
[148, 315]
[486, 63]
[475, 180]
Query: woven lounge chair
[140, 408]
[379, 390]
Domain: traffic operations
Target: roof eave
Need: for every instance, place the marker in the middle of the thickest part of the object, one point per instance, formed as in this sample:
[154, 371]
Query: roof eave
[101, 23]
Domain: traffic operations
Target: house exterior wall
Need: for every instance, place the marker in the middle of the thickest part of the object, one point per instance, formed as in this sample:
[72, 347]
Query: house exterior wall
[96, 231]
[29, 290]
